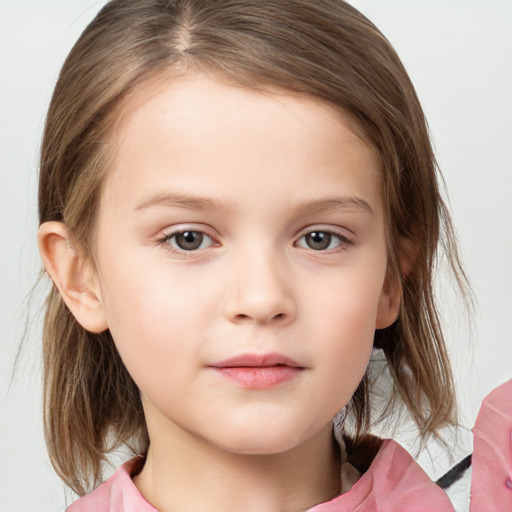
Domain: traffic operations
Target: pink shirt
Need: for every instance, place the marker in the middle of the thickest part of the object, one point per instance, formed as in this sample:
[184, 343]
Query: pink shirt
[393, 483]
[491, 480]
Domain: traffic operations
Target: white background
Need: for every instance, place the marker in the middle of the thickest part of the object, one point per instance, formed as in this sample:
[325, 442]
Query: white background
[459, 55]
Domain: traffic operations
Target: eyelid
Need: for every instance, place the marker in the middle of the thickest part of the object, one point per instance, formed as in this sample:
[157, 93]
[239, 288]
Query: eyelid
[170, 232]
[344, 233]
[345, 236]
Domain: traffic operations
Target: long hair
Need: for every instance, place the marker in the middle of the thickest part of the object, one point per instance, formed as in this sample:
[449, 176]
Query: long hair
[323, 49]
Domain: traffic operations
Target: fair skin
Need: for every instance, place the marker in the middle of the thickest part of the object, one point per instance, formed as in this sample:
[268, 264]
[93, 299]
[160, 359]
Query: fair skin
[235, 223]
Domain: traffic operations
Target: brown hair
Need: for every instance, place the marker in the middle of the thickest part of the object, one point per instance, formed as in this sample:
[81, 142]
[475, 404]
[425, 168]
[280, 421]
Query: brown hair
[324, 49]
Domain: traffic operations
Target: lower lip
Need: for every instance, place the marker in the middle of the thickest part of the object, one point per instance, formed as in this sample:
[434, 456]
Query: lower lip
[259, 377]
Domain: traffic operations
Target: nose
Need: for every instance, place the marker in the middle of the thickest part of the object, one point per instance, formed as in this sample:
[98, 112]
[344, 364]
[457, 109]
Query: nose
[260, 291]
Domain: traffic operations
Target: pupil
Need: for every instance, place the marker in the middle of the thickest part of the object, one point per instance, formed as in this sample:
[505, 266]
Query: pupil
[318, 240]
[189, 240]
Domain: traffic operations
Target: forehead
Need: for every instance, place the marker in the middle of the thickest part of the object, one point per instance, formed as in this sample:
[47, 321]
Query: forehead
[190, 92]
[201, 128]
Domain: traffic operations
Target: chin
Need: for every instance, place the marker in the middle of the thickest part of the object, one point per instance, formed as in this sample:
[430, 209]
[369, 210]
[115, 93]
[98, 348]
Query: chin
[269, 439]
[260, 447]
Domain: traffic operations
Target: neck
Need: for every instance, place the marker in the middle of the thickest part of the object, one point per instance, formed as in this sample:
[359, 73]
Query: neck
[187, 473]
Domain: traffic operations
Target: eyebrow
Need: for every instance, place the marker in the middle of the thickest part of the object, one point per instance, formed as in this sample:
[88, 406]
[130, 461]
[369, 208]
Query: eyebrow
[315, 206]
[184, 201]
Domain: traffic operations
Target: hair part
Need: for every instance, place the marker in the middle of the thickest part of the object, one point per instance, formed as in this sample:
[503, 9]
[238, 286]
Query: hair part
[325, 50]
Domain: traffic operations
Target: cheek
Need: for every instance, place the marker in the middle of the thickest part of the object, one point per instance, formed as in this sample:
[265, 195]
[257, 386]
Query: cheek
[345, 316]
[347, 301]
[154, 320]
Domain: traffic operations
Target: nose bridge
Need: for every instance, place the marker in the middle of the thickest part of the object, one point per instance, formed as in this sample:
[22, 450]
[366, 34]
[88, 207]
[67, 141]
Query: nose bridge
[261, 290]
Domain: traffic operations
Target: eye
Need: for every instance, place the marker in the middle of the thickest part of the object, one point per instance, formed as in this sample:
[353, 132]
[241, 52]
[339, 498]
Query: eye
[188, 240]
[321, 240]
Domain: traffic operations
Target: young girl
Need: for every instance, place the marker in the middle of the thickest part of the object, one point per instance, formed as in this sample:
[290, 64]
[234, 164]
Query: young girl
[238, 203]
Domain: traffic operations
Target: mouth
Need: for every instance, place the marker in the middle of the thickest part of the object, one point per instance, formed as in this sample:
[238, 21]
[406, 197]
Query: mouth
[258, 371]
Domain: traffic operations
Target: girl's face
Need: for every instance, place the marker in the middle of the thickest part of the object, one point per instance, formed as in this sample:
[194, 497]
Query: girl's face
[241, 262]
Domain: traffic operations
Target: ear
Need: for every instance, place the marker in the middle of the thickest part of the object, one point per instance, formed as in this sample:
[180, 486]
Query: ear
[391, 294]
[389, 301]
[78, 286]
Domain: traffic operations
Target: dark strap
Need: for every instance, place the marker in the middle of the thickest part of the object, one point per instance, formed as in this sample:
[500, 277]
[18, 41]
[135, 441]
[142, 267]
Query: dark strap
[454, 474]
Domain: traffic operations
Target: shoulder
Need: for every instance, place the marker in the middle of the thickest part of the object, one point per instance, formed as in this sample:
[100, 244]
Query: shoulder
[394, 482]
[117, 494]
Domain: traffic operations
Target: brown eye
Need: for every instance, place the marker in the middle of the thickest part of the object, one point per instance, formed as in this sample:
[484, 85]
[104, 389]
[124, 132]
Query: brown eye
[321, 240]
[318, 240]
[189, 240]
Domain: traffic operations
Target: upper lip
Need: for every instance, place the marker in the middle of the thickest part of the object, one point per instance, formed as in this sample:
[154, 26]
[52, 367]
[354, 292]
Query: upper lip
[257, 361]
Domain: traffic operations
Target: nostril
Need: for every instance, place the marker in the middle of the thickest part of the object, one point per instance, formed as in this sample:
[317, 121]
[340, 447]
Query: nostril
[242, 317]
[280, 317]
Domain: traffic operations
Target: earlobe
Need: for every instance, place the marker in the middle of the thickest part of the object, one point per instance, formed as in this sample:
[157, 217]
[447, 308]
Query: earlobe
[76, 284]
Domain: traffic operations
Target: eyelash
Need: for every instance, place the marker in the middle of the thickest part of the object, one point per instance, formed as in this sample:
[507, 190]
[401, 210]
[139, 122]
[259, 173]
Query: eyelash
[165, 241]
[344, 241]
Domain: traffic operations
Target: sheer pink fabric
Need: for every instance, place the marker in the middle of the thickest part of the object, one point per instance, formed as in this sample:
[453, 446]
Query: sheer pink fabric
[393, 483]
[491, 480]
